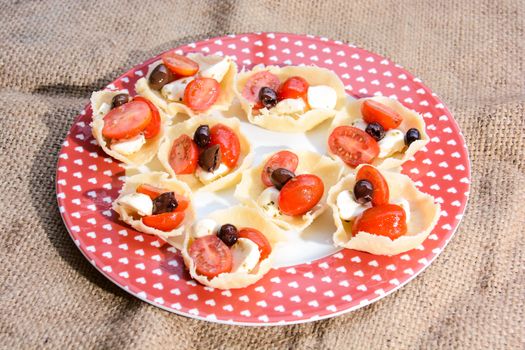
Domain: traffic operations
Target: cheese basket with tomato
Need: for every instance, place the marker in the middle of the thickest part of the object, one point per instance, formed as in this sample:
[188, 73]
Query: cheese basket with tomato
[292, 98]
[289, 187]
[155, 204]
[208, 153]
[377, 130]
[191, 85]
[127, 129]
[231, 248]
[381, 212]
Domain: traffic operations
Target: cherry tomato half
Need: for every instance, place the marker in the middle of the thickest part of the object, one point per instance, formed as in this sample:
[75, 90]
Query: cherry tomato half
[300, 194]
[257, 82]
[184, 155]
[381, 194]
[153, 192]
[258, 238]
[293, 87]
[126, 121]
[153, 127]
[353, 145]
[180, 65]
[283, 159]
[229, 144]
[201, 93]
[376, 112]
[383, 220]
[165, 221]
[211, 256]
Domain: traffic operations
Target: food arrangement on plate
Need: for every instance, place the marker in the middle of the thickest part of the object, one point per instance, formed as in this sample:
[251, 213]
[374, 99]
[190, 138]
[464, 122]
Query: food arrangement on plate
[263, 178]
[374, 211]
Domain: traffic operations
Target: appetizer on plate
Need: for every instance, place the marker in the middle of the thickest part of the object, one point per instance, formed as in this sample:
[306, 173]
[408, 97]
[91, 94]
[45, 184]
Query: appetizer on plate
[192, 84]
[289, 187]
[208, 153]
[128, 129]
[292, 98]
[232, 248]
[377, 130]
[155, 204]
[381, 212]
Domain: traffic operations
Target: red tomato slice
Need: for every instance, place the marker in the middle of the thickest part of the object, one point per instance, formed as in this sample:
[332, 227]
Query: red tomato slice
[127, 120]
[180, 65]
[293, 87]
[257, 82]
[201, 93]
[300, 194]
[283, 159]
[258, 238]
[150, 190]
[153, 192]
[210, 256]
[229, 143]
[381, 193]
[376, 112]
[384, 220]
[353, 145]
[184, 155]
[165, 221]
[153, 127]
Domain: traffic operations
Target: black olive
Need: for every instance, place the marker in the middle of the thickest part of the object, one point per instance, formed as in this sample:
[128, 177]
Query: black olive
[363, 191]
[210, 158]
[202, 136]
[228, 234]
[375, 130]
[268, 97]
[280, 177]
[411, 136]
[160, 76]
[165, 203]
[119, 100]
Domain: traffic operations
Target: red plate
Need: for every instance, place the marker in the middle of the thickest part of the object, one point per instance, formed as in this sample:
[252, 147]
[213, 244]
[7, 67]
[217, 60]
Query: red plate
[88, 181]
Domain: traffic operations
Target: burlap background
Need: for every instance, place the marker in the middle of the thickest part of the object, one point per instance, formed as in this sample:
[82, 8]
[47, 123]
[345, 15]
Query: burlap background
[53, 54]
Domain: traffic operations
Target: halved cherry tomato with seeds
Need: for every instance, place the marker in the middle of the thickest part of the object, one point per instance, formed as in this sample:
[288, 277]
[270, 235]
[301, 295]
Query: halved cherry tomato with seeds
[153, 127]
[165, 221]
[300, 194]
[153, 192]
[380, 194]
[201, 93]
[265, 248]
[127, 120]
[256, 83]
[283, 159]
[353, 145]
[180, 65]
[293, 87]
[229, 144]
[184, 155]
[383, 220]
[210, 256]
[376, 112]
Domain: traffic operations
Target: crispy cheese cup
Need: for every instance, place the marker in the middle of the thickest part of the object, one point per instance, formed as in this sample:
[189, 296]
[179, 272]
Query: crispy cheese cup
[424, 215]
[302, 122]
